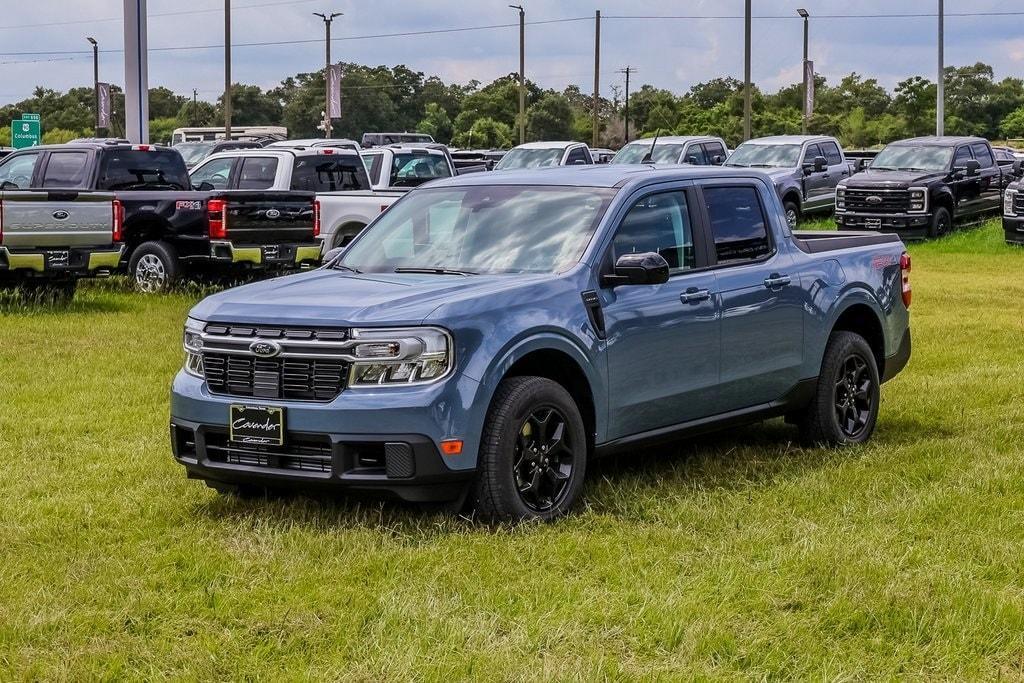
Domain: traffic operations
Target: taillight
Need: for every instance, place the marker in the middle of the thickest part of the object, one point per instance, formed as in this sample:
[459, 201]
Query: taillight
[905, 273]
[140, 148]
[316, 218]
[117, 208]
[217, 215]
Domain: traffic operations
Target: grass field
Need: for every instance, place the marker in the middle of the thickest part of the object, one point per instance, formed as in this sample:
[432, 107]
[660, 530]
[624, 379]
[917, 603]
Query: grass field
[736, 556]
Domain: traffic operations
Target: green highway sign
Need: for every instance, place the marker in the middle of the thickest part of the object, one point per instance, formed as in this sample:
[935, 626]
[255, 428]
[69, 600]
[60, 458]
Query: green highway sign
[25, 132]
[30, 117]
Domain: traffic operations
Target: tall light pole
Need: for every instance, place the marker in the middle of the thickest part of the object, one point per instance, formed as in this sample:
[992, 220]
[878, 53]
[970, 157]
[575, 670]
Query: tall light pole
[625, 136]
[806, 15]
[227, 69]
[597, 77]
[522, 72]
[746, 72]
[940, 91]
[328, 18]
[96, 80]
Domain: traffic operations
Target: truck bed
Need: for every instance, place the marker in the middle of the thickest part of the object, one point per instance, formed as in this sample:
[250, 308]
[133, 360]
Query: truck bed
[819, 241]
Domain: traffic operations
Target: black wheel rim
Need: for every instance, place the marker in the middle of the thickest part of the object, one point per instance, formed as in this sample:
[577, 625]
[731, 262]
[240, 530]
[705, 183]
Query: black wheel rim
[543, 459]
[854, 396]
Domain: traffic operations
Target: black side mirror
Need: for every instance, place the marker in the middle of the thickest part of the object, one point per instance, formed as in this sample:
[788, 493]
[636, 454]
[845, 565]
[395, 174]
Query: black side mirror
[8, 185]
[718, 160]
[820, 164]
[972, 167]
[646, 268]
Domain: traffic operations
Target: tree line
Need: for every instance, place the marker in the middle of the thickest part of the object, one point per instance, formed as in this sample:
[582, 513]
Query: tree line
[857, 110]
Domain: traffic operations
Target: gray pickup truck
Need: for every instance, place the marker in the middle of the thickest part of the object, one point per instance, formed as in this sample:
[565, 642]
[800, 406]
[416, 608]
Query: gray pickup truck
[804, 168]
[51, 239]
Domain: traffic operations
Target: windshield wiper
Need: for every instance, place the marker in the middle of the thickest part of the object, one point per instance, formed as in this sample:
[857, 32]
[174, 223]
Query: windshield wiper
[435, 271]
[339, 266]
[911, 168]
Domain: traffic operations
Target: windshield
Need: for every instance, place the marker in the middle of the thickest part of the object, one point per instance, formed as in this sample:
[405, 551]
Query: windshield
[912, 158]
[634, 153]
[194, 152]
[131, 169]
[765, 156]
[481, 229]
[530, 158]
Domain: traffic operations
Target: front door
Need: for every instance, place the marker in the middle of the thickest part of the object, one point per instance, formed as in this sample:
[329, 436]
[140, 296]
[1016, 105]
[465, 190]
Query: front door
[663, 340]
[818, 188]
[761, 300]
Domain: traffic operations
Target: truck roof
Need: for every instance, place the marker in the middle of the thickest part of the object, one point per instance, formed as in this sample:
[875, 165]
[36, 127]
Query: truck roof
[549, 144]
[598, 175]
[788, 139]
[676, 139]
[286, 151]
[108, 144]
[940, 140]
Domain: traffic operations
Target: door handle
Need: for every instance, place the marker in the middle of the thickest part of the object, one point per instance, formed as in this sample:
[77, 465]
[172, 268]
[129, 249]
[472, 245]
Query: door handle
[776, 281]
[694, 295]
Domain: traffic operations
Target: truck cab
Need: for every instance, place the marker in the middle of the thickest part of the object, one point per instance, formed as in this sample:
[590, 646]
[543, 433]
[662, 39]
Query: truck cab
[697, 150]
[545, 155]
[407, 166]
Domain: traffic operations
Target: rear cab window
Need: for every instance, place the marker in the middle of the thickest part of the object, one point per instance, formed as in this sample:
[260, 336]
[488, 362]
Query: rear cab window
[136, 169]
[329, 173]
[738, 224]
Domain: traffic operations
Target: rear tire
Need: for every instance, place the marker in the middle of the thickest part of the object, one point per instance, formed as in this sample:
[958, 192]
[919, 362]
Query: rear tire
[792, 213]
[154, 267]
[942, 223]
[48, 292]
[533, 453]
[844, 409]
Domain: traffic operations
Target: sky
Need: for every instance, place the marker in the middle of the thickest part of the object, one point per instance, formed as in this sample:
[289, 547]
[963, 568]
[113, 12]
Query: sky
[677, 44]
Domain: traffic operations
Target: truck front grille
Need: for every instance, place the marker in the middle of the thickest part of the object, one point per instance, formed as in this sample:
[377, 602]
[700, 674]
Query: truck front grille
[1018, 203]
[877, 201]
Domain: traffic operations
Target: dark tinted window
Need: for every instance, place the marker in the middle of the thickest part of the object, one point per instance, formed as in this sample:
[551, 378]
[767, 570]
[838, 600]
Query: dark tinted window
[737, 223]
[982, 154]
[130, 169]
[658, 223]
[811, 152]
[963, 155]
[65, 169]
[695, 155]
[714, 149]
[578, 156]
[257, 173]
[17, 171]
[329, 172]
[831, 151]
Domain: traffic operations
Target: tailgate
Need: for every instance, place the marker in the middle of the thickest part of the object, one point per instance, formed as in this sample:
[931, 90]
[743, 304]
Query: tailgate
[41, 218]
[268, 217]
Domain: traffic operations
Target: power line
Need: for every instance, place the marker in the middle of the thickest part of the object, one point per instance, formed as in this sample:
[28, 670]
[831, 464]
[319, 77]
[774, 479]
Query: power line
[896, 15]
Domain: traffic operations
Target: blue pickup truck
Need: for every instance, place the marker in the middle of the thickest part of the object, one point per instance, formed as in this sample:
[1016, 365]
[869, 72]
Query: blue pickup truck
[488, 335]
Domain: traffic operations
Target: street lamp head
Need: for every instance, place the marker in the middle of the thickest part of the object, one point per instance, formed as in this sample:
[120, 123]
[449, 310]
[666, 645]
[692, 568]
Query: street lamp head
[91, 40]
[803, 13]
[518, 7]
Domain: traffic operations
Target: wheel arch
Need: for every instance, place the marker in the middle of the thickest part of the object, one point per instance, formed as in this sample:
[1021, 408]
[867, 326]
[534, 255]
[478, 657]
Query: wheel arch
[343, 228]
[861, 318]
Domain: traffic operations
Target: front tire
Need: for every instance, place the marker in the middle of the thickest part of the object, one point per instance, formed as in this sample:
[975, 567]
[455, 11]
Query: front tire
[154, 267]
[792, 213]
[942, 223]
[533, 453]
[845, 405]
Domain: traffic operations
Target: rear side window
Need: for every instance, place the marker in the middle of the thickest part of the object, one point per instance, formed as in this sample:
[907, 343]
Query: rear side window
[65, 169]
[658, 223]
[257, 173]
[714, 149]
[16, 171]
[373, 163]
[982, 154]
[738, 224]
[831, 151]
[695, 155]
[329, 172]
[154, 169]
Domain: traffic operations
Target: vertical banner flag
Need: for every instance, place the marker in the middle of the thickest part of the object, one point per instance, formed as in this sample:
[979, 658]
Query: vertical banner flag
[809, 87]
[334, 77]
[104, 105]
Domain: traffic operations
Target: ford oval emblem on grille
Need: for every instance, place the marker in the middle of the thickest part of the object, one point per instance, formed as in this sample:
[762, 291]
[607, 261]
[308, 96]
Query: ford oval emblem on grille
[265, 349]
[60, 214]
[873, 199]
[273, 213]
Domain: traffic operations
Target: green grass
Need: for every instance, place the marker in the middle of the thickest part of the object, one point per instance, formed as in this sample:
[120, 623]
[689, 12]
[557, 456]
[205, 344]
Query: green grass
[735, 556]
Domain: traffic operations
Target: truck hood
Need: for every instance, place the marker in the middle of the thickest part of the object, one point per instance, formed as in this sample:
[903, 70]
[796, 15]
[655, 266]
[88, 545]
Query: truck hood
[891, 180]
[339, 298]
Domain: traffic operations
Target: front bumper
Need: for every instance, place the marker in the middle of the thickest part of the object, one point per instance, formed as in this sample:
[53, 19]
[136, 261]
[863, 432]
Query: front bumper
[266, 255]
[384, 440]
[50, 263]
[1013, 229]
[905, 224]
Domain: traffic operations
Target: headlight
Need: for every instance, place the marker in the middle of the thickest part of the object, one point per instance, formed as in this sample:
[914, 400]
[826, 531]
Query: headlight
[192, 340]
[918, 199]
[1008, 203]
[840, 198]
[400, 356]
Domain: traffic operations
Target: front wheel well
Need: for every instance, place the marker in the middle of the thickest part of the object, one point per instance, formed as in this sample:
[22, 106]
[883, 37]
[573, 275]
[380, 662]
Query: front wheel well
[562, 368]
[792, 196]
[346, 232]
[862, 320]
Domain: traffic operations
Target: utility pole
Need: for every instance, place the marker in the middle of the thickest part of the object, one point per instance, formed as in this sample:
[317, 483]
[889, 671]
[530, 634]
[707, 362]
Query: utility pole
[628, 70]
[195, 106]
[96, 80]
[807, 114]
[328, 19]
[227, 69]
[940, 91]
[522, 72]
[746, 71]
[597, 74]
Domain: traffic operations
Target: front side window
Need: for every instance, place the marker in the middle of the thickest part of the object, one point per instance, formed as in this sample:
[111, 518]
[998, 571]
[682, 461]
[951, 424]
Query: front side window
[982, 154]
[695, 155]
[257, 173]
[963, 155]
[658, 223]
[812, 152]
[213, 175]
[755, 155]
[737, 224]
[65, 169]
[16, 171]
[713, 150]
[578, 156]
[481, 229]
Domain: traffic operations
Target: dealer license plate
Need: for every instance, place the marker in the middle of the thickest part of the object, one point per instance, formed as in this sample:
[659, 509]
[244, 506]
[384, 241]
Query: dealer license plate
[873, 223]
[257, 425]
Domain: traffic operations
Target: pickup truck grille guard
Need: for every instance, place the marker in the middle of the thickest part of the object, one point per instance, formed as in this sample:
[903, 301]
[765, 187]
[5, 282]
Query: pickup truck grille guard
[276, 363]
[888, 201]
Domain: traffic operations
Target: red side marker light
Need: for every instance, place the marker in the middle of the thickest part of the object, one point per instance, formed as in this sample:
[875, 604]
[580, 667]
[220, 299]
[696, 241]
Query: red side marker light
[451, 446]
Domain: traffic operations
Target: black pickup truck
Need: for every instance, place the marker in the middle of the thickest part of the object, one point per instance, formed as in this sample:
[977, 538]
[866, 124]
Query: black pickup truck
[922, 186]
[170, 229]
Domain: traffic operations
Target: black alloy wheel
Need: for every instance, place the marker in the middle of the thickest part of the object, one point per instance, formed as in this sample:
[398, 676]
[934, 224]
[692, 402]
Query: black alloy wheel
[544, 459]
[854, 396]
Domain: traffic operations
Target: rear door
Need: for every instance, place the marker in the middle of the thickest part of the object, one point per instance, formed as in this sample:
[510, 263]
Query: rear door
[761, 301]
[838, 169]
[965, 189]
[989, 179]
